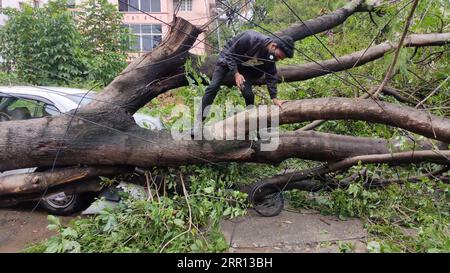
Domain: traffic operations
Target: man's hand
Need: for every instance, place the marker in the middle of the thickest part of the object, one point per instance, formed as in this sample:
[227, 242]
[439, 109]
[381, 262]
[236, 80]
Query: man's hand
[239, 80]
[278, 102]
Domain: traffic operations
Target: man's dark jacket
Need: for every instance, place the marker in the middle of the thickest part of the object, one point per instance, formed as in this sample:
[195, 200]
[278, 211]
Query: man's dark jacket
[247, 53]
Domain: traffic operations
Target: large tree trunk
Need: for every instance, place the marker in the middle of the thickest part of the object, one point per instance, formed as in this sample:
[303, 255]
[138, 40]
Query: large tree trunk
[34, 143]
[103, 133]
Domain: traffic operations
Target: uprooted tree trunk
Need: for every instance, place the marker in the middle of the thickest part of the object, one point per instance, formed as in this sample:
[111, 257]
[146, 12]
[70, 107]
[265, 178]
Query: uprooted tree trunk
[103, 134]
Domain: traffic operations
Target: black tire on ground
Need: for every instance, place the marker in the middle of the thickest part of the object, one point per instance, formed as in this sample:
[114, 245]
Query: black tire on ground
[267, 199]
[79, 202]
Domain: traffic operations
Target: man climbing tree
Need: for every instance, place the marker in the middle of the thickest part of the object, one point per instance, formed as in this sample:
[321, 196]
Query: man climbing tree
[247, 56]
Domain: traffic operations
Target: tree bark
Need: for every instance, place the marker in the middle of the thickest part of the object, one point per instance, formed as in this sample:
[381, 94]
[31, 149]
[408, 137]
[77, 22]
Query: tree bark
[283, 181]
[39, 181]
[299, 31]
[302, 72]
[404, 117]
[141, 81]
[104, 134]
[34, 143]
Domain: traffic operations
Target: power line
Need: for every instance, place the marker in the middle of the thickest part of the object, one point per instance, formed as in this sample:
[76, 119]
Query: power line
[296, 49]
[112, 129]
[270, 32]
[60, 147]
[230, 7]
[165, 60]
[320, 41]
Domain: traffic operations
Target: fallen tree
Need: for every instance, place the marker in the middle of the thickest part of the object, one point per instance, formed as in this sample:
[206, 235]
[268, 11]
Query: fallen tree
[103, 133]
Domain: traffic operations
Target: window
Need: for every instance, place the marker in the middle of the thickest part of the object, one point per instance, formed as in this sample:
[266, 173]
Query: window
[36, 4]
[140, 5]
[146, 37]
[81, 98]
[185, 5]
[20, 109]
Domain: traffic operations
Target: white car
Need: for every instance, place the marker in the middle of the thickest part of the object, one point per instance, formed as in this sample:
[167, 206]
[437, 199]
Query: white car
[27, 102]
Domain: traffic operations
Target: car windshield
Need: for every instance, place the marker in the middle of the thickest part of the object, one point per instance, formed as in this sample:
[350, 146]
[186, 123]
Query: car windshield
[81, 98]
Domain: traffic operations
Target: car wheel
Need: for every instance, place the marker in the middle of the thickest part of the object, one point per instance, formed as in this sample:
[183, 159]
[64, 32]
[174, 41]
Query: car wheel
[62, 204]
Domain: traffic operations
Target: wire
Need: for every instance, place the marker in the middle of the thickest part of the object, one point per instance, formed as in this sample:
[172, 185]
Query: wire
[113, 129]
[60, 147]
[370, 95]
[200, 41]
[74, 115]
[380, 31]
[297, 50]
[230, 7]
[315, 62]
[320, 41]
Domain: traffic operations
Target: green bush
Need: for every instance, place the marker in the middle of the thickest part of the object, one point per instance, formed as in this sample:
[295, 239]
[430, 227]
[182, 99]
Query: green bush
[413, 217]
[49, 46]
[163, 223]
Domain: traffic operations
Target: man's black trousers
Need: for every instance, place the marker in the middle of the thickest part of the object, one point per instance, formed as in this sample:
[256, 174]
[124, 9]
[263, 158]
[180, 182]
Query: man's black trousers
[219, 75]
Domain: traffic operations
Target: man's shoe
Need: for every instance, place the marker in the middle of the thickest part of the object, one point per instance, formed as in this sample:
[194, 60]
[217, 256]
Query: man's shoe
[196, 131]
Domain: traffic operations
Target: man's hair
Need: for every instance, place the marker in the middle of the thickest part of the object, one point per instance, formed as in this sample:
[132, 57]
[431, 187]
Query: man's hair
[286, 44]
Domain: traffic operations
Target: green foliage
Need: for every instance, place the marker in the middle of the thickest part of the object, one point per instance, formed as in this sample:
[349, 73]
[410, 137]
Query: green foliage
[400, 218]
[48, 45]
[346, 247]
[104, 38]
[161, 224]
[413, 217]
[42, 44]
[64, 241]
[9, 78]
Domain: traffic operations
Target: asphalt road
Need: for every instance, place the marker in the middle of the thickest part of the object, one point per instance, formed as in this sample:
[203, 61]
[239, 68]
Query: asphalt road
[19, 227]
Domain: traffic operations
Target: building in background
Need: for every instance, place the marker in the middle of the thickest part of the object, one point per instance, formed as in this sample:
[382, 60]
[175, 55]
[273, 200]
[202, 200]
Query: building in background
[16, 5]
[146, 19]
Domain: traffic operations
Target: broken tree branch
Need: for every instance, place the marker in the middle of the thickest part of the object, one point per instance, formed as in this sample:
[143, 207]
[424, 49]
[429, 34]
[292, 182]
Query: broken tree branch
[390, 71]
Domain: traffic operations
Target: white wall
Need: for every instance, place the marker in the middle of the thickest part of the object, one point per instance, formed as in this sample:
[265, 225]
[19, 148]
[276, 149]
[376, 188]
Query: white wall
[15, 4]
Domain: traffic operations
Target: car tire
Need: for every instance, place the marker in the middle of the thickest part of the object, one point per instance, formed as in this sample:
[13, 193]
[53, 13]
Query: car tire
[67, 204]
[74, 203]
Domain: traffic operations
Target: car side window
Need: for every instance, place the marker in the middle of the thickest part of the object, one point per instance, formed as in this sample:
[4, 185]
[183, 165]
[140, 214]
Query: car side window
[4, 102]
[50, 110]
[22, 109]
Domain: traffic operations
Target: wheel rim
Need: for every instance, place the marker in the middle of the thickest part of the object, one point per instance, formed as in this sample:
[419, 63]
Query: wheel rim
[59, 200]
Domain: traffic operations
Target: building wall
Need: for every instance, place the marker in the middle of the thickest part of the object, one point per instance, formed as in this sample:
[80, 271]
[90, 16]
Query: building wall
[16, 5]
[201, 12]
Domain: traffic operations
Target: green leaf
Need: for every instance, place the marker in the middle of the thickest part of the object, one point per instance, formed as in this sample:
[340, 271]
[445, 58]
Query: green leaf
[227, 211]
[53, 220]
[353, 189]
[178, 222]
[69, 232]
[52, 227]
[53, 245]
[71, 246]
[374, 247]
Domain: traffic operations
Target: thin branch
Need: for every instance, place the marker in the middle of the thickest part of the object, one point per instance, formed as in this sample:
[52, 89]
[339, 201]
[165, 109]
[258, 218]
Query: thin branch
[390, 71]
[433, 92]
